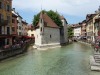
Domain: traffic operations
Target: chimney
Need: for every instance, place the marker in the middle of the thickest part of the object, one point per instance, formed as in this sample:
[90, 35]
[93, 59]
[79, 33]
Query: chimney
[13, 9]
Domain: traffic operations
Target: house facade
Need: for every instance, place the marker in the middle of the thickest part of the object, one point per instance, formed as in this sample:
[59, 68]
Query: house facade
[20, 27]
[83, 29]
[77, 31]
[24, 28]
[5, 22]
[31, 31]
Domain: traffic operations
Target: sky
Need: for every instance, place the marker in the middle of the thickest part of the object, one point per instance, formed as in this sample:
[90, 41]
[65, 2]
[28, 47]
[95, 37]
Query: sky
[74, 11]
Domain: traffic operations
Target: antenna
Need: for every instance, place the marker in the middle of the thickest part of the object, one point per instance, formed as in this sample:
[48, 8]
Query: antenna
[41, 5]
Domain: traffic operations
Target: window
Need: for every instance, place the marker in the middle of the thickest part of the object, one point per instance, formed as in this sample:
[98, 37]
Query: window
[13, 20]
[50, 36]
[0, 5]
[8, 18]
[19, 27]
[1, 17]
[0, 29]
[41, 20]
[41, 29]
[19, 33]
[13, 29]
[8, 8]
[7, 41]
[32, 34]
[8, 30]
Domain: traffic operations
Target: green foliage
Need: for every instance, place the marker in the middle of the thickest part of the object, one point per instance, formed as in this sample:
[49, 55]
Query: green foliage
[70, 32]
[53, 15]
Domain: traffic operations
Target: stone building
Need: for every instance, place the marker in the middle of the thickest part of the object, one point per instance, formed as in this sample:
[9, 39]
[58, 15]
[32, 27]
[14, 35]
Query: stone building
[63, 31]
[47, 32]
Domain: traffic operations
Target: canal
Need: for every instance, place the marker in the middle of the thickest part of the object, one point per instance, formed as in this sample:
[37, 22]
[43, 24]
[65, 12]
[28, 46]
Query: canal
[70, 60]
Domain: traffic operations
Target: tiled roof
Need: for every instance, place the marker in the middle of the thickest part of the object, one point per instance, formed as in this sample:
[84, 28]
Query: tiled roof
[48, 22]
[76, 25]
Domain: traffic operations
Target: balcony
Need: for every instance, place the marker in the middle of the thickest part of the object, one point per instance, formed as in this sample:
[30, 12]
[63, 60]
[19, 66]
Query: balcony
[3, 22]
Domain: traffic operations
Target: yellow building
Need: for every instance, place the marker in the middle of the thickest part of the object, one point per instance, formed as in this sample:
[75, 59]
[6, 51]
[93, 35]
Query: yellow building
[5, 22]
[91, 30]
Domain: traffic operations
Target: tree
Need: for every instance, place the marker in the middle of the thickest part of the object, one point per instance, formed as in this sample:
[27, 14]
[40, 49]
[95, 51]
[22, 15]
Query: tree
[70, 32]
[53, 15]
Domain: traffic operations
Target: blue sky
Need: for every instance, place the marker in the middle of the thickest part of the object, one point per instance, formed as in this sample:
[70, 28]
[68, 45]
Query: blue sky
[73, 10]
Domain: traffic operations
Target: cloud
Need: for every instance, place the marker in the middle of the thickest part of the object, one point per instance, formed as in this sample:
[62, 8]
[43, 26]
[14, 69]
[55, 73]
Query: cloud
[76, 8]
[68, 7]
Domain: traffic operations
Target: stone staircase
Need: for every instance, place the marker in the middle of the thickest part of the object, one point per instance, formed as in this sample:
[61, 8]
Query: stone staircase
[97, 57]
[95, 61]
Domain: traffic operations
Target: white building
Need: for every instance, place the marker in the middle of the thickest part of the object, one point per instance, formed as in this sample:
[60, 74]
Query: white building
[47, 33]
[20, 27]
[30, 31]
[24, 28]
[77, 31]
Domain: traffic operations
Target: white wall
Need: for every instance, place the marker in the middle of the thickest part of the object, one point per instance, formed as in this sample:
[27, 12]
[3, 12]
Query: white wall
[38, 37]
[30, 32]
[19, 24]
[77, 31]
[45, 38]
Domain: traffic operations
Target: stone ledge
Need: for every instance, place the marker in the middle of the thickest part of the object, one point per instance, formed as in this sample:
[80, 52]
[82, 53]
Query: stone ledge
[47, 46]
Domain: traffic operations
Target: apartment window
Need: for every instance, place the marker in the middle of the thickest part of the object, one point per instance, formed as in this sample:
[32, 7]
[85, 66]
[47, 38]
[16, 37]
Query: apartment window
[1, 17]
[19, 27]
[7, 41]
[8, 30]
[13, 20]
[32, 34]
[50, 36]
[8, 18]
[0, 30]
[13, 29]
[41, 29]
[19, 33]
[8, 8]
[1, 5]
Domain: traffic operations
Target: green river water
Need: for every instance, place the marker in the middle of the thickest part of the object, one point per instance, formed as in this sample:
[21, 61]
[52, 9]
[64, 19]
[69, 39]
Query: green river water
[70, 60]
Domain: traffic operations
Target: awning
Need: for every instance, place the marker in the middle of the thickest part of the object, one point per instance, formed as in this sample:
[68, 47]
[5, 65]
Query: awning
[6, 36]
[28, 37]
[98, 38]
